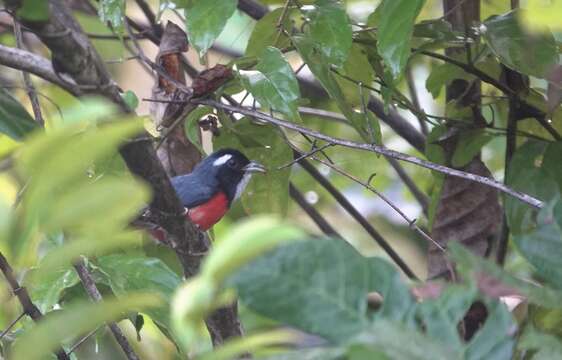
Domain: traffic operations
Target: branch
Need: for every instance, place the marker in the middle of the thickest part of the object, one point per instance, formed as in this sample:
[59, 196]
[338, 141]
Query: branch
[151, 17]
[415, 99]
[252, 8]
[518, 82]
[27, 79]
[37, 65]
[312, 212]
[471, 69]
[411, 222]
[377, 149]
[342, 200]
[92, 290]
[399, 124]
[410, 184]
[28, 306]
[325, 114]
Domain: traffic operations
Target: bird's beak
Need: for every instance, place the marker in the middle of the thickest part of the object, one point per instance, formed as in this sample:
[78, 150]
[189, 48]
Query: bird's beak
[254, 167]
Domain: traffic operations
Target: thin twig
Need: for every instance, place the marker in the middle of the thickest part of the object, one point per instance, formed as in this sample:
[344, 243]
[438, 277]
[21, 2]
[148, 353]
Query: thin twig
[94, 294]
[305, 155]
[324, 113]
[415, 98]
[169, 131]
[81, 341]
[279, 24]
[377, 149]
[122, 60]
[150, 16]
[471, 69]
[27, 78]
[51, 101]
[342, 200]
[410, 184]
[159, 70]
[318, 219]
[28, 306]
[451, 10]
[11, 325]
[139, 36]
[37, 65]
[411, 222]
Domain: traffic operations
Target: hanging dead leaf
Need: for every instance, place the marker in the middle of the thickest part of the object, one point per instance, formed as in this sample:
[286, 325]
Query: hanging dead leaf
[467, 212]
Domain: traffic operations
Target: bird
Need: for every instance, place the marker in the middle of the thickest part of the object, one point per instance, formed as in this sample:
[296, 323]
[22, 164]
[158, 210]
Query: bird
[214, 184]
[208, 192]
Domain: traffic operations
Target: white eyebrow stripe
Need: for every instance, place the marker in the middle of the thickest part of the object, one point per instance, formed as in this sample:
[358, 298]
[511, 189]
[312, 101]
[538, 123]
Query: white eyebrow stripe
[223, 159]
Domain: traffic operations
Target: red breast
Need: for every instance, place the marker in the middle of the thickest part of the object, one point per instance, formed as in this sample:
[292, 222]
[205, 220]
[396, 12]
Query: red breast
[210, 212]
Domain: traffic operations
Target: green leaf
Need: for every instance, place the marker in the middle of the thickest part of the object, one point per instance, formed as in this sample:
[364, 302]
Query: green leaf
[62, 257]
[237, 347]
[130, 99]
[273, 83]
[399, 342]
[205, 20]
[495, 340]
[63, 157]
[434, 152]
[526, 174]
[46, 292]
[90, 110]
[545, 320]
[129, 273]
[546, 346]
[319, 66]
[244, 243]
[328, 282]
[470, 265]
[373, 128]
[75, 319]
[104, 204]
[531, 54]
[396, 25]
[469, 145]
[34, 10]
[312, 354]
[113, 12]
[358, 68]
[551, 161]
[265, 33]
[192, 128]
[542, 245]
[442, 316]
[329, 27]
[205, 292]
[15, 121]
[439, 29]
[55, 166]
[269, 192]
[442, 75]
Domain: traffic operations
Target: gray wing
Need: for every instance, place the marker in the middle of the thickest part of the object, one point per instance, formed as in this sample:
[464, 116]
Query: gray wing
[191, 190]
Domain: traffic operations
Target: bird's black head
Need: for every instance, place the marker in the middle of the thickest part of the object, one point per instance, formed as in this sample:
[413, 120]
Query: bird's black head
[231, 169]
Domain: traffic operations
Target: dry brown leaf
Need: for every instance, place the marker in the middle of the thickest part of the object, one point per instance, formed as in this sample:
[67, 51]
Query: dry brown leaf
[467, 212]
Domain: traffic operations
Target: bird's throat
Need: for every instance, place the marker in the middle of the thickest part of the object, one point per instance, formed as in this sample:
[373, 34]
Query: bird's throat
[242, 185]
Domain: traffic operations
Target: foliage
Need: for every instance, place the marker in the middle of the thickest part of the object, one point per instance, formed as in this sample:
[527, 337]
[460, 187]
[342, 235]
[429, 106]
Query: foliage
[66, 194]
[15, 120]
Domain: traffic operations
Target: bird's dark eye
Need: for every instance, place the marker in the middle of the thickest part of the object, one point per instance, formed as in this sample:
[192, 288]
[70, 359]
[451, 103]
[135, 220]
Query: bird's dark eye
[232, 163]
